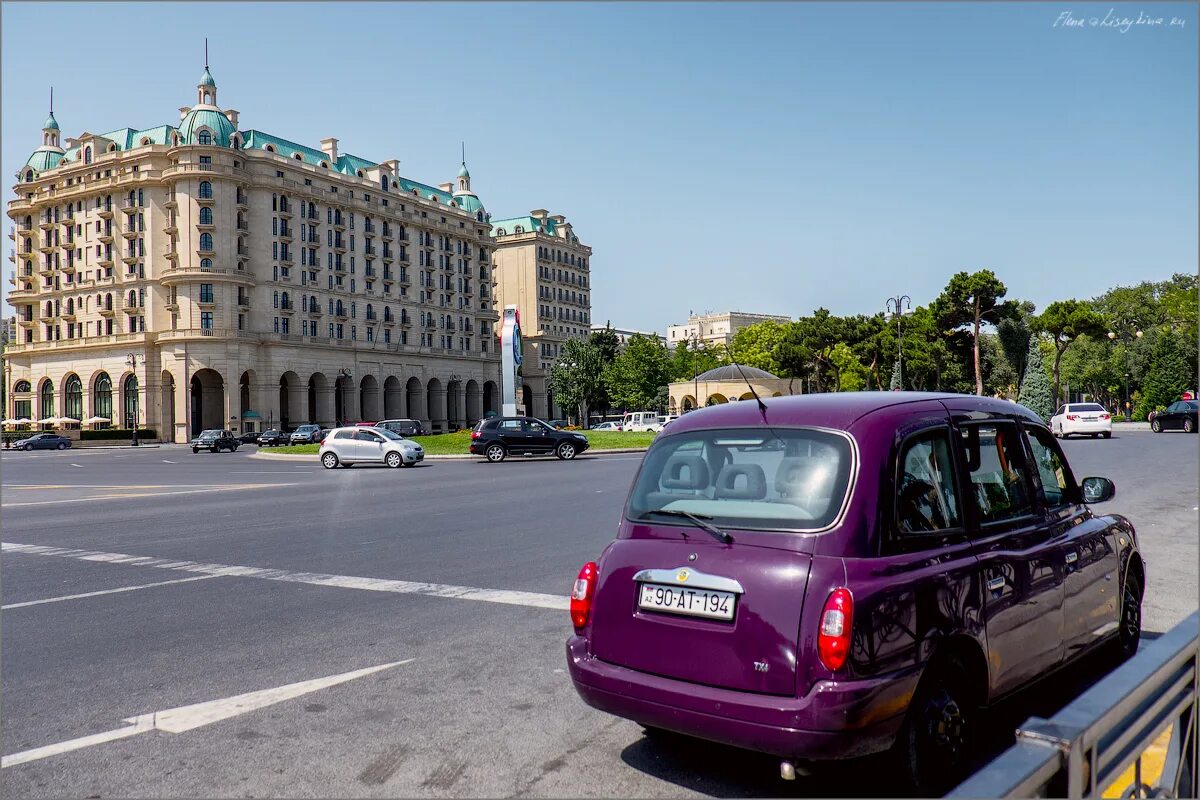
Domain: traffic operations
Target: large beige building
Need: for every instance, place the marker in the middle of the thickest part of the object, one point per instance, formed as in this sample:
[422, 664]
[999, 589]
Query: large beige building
[716, 328]
[200, 275]
[544, 270]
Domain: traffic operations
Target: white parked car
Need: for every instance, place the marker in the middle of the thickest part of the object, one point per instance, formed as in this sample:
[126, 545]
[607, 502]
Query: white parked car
[642, 421]
[607, 426]
[357, 445]
[1090, 419]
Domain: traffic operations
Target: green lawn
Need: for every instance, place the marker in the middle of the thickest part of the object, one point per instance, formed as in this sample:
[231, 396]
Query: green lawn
[457, 443]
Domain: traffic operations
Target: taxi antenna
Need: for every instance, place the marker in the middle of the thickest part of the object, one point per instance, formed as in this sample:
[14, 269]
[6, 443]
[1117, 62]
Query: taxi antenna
[762, 407]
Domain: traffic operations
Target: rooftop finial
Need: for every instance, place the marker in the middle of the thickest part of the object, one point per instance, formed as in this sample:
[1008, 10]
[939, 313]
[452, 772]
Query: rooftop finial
[51, 99]
[206, 52]
[464, 152]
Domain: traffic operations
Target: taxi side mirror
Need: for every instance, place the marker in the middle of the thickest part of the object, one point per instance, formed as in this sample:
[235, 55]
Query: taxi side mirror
[1097, 490]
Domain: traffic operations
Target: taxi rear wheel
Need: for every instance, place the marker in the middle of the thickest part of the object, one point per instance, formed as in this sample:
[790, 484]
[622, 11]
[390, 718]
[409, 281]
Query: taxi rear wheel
[936, 743]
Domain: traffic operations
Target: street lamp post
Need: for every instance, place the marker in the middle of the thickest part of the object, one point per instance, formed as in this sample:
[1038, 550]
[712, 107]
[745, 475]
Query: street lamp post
[895, 305]
[131, 360]
[1128, 334]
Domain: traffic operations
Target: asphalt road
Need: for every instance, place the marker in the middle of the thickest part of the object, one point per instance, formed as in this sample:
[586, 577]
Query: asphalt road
[270, 573]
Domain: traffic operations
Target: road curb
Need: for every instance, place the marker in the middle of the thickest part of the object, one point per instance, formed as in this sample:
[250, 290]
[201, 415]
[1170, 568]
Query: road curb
[462, 457]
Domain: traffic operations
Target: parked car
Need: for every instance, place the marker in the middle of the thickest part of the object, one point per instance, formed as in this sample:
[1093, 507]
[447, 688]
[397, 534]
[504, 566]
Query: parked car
[306, 434]
[404, 427]
[1179, 416]
[273, 438]
[607, 426]
[557, 424]
[893, 564]
[1090, 419]
[250, 437]
[641, 421]
[43, 441]
[216, 441]
[496, 438]
[357, 445]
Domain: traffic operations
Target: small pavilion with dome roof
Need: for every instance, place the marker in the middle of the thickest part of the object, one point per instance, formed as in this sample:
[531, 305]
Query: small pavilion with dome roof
[726, 384]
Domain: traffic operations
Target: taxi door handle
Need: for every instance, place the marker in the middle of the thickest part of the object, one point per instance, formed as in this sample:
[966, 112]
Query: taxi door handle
[1072, 557]
[996, 584]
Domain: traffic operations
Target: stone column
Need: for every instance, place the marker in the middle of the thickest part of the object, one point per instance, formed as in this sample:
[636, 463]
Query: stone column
[437, 410]
[460, 405]
[474, 404]
[264, 398]
[325, 406]
[539, 406]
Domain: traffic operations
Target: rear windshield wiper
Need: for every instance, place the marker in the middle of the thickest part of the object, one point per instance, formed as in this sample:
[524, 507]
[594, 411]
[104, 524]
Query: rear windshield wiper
[698, 519]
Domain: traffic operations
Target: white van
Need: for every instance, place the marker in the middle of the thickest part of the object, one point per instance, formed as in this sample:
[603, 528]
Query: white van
[641, 421]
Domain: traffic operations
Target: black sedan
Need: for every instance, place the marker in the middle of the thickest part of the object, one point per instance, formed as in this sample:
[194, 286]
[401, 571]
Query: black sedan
[1179, 416]
[250, 437]
[496, 438]
[43, 441]
[216, 441]
[274, 438]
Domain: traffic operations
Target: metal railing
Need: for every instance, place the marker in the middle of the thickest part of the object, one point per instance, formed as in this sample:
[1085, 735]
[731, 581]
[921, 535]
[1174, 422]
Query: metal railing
[1089, 744]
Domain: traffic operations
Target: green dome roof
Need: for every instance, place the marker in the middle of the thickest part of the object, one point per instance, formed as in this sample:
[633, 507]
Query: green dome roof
[214, 120]
[207, 79]
[462, 173]
[468, 202]
[42, 160]
[51, 123]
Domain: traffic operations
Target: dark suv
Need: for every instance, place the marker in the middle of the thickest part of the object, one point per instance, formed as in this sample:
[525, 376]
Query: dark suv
[403, 427]
[274, 438]
[216, 441]
[495, 438]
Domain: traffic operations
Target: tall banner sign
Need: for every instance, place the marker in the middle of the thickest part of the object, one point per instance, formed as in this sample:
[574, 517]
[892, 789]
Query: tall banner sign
[510, 359]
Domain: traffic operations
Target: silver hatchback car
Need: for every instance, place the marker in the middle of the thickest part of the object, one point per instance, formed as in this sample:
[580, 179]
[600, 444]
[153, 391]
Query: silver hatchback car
[357, 445]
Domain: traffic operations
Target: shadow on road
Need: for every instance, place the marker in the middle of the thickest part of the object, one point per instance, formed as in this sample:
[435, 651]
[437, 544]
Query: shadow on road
[723, 771]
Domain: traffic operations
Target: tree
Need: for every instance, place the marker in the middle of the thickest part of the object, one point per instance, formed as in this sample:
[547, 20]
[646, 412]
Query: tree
[850, 374]
[1170, 374]
[635, 375]
[607, 345]
[757, 345]
[576, 376]
[972, 299]
[1065, 321]
[1035, 384]
[894, 385]
[687, 361]
[808, 344]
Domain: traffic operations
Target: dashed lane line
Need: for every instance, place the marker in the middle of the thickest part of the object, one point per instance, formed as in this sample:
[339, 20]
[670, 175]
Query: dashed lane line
[130, 495]
[504, 596]
[105, 591]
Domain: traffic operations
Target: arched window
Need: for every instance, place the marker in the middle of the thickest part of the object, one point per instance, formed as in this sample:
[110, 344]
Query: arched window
[297, 156]
[108, 301]
[102, 397]
[112, 148]
[235, 142]
[284, 299]
[73, 407]
[205, 264]
[145, 141]
[204, 137]
[270, 148]
[206, 242]
[359, 173]
[206, 190]
[325, 164]
[46, 394]
[87, 154]
[275, 299]
[22, 386]
[206, 216]
[132, 298]
[384, 182]
[129, 401]
[29, 176]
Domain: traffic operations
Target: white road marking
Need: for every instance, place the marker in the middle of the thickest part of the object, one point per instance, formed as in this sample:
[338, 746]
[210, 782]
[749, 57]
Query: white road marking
[505, 596]
[185, 718]
[167, 462]
[105, 591]
[127, 495]
[77, 465]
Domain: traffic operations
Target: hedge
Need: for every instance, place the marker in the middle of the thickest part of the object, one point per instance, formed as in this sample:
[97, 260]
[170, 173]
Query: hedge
[117, 433]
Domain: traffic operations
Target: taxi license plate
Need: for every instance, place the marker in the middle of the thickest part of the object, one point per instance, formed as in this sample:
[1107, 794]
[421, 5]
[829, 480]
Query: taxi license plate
[707, 603]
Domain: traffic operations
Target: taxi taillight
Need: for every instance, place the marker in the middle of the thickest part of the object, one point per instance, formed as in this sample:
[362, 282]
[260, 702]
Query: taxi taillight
[474, 434]
[581, 594]
[833, 638]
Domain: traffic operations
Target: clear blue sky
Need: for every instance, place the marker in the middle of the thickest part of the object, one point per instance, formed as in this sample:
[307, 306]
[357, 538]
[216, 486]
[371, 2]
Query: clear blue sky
[763, 157]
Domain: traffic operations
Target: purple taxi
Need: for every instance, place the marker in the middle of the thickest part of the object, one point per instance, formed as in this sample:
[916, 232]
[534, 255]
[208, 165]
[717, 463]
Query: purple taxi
[834, 575]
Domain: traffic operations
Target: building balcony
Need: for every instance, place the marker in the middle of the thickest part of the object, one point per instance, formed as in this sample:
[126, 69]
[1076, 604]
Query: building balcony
[46, 269]
[206, 253]
[342, 313]
[27, 322]
[206, 201]
[201, 333]
[339, 223]
[243, 301]
[68, 316]
[106, 236]
[105, 212]
[243, 227]
[171, 202]
[206, 226]
[45, 223]
[49, 247]
[389, 277]
[129, 231]
[107, 311]
[285, 211]
[192, 273]
[129, 206]
[388, 235]
[172, 305]
[285, 234]
[314, 311]
[21, 293]
[172, 227]
[134, 310]
[287, 259]
[241, 200]
[104, 280]
[339, 247]
[171, 255]
[130, 258]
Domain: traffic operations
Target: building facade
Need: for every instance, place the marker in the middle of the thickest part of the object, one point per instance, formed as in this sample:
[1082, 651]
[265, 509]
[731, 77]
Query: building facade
[542, 268]
[716, 328]
[200, 275]
[727, 384]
